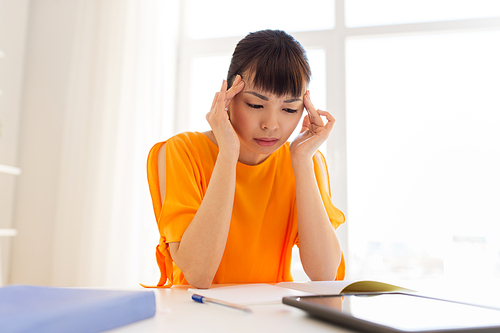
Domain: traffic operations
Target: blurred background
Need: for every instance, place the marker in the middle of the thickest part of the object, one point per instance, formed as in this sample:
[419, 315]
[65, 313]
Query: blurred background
[88, 86]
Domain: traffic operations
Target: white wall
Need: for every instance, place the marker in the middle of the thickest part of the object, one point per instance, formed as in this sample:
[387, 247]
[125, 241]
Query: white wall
[13, 24]
[48, 56]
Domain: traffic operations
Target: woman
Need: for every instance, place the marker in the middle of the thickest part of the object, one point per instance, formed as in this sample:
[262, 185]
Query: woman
[232, 202]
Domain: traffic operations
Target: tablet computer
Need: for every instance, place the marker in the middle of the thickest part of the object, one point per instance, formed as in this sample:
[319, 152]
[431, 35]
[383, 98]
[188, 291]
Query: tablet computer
[398, 312]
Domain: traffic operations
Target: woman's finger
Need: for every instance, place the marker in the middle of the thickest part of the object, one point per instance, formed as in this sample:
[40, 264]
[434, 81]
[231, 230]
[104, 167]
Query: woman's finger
[314, 117]
[219, 103]
[223, 88]
[329, 118]
[214, 101]
[305, 124]
[213, 108]
[235, 89]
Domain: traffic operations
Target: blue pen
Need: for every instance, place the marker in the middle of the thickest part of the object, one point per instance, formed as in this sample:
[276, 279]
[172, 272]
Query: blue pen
[203, 299]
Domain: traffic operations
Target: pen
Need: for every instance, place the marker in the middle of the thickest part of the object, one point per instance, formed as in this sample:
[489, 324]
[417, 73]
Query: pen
[203, 299]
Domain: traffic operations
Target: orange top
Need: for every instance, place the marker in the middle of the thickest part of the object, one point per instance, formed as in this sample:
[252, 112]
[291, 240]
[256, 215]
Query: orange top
[263, 226]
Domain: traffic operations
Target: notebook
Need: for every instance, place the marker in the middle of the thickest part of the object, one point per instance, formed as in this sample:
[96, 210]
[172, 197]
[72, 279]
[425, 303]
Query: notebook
[38, 309]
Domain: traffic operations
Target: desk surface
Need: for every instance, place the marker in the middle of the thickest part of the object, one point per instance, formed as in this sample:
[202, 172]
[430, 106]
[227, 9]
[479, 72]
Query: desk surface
[176, 312]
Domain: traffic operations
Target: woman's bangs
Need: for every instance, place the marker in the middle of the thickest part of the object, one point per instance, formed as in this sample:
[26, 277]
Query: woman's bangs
[280, 77]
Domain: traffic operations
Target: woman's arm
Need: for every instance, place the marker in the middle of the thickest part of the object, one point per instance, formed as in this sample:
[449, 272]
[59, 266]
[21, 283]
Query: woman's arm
[319, 248]
[200, 250]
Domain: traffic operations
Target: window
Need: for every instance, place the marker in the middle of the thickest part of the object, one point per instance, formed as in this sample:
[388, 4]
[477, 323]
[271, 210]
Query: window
[229, 18]
[414, 152]
[363, 13]
[207, 74]
[423, 155]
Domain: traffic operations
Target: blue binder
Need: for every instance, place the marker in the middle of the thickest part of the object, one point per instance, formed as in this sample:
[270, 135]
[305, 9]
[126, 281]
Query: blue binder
[48, 309]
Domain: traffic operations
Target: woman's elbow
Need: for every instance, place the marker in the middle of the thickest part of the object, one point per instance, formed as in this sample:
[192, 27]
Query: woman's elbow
[199, 281]
[194, 272]
[322, 271]
[324, 275]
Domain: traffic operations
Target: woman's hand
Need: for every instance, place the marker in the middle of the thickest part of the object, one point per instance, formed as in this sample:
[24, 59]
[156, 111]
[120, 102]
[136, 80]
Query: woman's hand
[219, 121]
[313, 133]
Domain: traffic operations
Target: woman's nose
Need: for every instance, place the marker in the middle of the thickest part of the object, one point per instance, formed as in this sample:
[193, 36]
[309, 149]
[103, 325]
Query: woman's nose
[270, 121]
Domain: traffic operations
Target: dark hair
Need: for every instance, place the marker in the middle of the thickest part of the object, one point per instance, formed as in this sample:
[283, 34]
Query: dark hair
[277, 62]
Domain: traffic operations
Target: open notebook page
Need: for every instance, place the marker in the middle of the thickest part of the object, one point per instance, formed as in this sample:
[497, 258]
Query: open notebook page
[249, 294]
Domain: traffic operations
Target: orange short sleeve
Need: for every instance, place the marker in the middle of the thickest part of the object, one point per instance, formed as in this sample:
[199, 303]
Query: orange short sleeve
[183, 196]
[334, 214]
[323, 179]
[183, 192]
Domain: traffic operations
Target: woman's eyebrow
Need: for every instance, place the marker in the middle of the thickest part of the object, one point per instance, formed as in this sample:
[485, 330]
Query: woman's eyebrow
[257, 94]
[267, 99]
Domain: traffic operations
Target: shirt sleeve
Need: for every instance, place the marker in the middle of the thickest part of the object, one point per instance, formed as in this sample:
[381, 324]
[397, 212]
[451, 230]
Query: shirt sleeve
[183, 190]
[182, 199]
[323, 179]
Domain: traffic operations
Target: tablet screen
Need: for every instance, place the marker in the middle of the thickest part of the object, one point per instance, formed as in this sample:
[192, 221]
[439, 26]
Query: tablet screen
[406, 312]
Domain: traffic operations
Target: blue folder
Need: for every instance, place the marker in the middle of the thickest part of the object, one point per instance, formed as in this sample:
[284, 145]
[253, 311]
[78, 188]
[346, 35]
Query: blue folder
[48, 309]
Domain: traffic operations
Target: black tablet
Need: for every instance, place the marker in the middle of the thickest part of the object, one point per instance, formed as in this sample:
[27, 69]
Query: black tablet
[398, 312]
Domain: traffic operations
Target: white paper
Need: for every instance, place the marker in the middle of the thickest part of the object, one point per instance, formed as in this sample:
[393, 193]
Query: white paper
[249, 294]
[317, 287]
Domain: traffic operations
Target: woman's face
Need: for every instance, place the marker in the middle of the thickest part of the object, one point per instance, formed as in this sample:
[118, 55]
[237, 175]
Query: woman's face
[263, 121]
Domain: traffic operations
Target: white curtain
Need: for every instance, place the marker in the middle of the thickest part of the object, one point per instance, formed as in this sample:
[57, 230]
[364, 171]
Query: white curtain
[120, 102]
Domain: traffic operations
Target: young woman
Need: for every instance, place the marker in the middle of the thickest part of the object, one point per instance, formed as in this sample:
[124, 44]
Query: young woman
[231, 203]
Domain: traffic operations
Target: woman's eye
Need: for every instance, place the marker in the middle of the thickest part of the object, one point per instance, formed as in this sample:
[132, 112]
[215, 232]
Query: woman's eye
[255, 106]
[290, 110]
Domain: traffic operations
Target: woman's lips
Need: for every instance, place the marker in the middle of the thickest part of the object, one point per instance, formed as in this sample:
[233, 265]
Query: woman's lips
[266, 142]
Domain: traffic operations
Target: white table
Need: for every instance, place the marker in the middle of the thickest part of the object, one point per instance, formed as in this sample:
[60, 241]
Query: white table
[176, 312]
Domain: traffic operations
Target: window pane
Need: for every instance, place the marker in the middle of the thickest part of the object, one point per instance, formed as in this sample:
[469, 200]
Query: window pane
[423, 146]
[230, 18]
[361, 13]
[207, 74]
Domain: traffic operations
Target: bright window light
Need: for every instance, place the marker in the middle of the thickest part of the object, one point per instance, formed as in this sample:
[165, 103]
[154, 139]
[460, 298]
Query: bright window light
[362, 13]
[423, 155]
[207, 74]
[232, 18]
